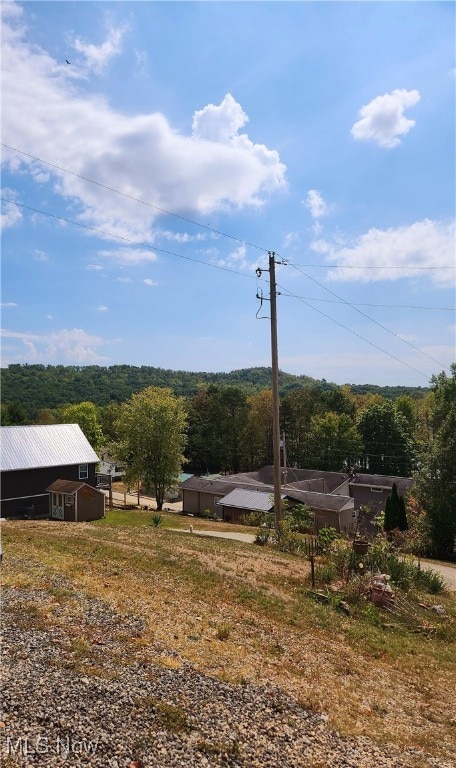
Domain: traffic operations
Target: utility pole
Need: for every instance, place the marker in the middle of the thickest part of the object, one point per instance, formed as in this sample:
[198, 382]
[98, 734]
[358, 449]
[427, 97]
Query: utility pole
[275, 393]
[275, 386]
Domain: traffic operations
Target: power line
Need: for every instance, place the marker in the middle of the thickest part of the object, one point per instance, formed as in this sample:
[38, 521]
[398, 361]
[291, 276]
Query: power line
[385, 306]
[214, 266]
[366, 266]
[364, 314]
[126, 239]
[346, 328]
[135, 199]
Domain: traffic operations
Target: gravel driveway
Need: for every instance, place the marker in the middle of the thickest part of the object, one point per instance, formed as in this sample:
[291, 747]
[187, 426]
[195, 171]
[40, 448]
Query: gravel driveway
[79, 691]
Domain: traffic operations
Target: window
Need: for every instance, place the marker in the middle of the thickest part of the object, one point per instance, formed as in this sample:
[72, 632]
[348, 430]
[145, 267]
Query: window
[374, 489]
[83, 471]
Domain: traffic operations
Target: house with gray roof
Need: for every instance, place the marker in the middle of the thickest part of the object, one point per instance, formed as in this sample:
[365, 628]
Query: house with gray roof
[34, 457]
[233, 497]
[242, 501]
[373, 490]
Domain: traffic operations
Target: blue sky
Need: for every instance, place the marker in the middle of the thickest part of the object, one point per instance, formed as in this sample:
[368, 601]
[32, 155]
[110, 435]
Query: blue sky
[322, 131]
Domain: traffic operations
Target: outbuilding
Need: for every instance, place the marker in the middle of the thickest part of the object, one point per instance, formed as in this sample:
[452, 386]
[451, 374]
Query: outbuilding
[75, 502]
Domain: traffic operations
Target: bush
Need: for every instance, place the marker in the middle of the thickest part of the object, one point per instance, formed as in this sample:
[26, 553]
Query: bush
[432, 580]
[156, 520]
[262, 536]
[326, 537]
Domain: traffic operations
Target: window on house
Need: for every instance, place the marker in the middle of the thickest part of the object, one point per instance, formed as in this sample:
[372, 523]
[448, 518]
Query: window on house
[83, 471]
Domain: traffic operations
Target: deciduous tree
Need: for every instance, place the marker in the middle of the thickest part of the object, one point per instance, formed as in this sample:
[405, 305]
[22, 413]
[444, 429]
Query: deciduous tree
[387, 446]
[85, 414]
[152, 428]
[435, 483]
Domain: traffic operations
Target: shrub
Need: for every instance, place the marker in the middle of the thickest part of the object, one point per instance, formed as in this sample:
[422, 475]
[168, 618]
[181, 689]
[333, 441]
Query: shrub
[156, 520]
[432, 580]
[223, 631]
[326, 537]
[262, 536]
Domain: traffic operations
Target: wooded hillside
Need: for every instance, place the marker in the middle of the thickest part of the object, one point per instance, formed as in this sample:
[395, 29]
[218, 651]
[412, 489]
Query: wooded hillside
[51, 386]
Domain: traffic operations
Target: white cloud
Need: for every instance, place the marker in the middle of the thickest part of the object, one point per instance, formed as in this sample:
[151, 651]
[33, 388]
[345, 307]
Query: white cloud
[290, 238]
[383, 120]
[212, 169]
[237, 260]
[124, 280]
[94, 267]
[98, 56]
[129, 255]
[10, 214]
[102, 308]
[398, 251]
[182, 237]
[315, 203]
[40, 255]
[9, 304]
[219, 122]
[73, 346]
[149, 281]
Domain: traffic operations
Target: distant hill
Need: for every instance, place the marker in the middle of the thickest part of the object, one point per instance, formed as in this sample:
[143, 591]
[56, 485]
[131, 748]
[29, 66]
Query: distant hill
[50, 386]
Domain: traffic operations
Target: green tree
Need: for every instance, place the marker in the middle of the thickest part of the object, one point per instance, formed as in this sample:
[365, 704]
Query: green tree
[395, 512]
[13, 414]
[107, 417]
[297, 409]
[85, 414]
[406, 407]
[334, 442]
[152, 427]
[387, 446]
[258, 431]
[435, 482]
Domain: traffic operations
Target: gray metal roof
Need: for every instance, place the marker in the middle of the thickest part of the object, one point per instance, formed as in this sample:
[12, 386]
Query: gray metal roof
[326, 501]
[44, 445]
[257, 501]
[381, 481]
[220, 485]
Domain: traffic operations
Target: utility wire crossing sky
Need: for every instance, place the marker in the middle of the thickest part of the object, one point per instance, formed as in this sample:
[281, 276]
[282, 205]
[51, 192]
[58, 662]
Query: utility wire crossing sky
[336, 153]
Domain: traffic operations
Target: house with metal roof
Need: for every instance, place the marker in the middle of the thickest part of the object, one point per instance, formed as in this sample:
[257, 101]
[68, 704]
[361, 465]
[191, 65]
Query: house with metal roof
[33, 457]
[233, 497]
[372, 491]
[241, 501]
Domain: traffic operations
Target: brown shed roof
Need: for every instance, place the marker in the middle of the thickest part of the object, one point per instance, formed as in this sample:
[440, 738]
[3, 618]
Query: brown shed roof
[68, 486]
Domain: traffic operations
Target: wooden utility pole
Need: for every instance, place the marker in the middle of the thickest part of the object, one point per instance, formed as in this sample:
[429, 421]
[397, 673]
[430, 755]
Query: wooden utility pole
[275, 394]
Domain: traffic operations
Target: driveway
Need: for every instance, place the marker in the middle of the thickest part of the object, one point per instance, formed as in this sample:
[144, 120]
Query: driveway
[448, 572]
[248, 538]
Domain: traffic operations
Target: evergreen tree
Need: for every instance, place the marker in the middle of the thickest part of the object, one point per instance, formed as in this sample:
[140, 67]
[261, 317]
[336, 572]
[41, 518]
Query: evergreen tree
[395, 514]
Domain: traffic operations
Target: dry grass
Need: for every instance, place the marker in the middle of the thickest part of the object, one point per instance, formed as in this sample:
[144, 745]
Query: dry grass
[388, 683]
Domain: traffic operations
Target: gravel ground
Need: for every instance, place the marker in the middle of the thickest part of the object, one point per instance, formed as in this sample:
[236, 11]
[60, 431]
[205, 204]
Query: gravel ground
[79, 690]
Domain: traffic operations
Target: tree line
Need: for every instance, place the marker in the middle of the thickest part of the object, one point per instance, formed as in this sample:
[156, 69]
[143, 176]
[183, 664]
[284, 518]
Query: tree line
[227, 428]
[34, 387]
